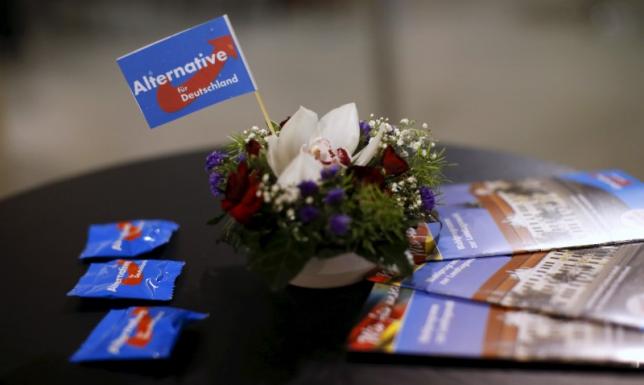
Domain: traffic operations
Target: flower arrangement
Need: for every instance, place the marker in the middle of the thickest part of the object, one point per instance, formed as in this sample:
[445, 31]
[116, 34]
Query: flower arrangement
[311, 188]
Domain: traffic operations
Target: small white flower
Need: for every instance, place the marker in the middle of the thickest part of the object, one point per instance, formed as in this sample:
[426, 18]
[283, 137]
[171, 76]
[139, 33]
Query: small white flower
[291, 194]
[251, 136]
[274, 188]
[425, 125]
[258, 193]
[404, 121]
[372, 123]
[423, 153]
[309, 200]
[290, 213]
[267, 197]
[265, 178]
[388, 127]
[404, 154]
[432, 144]
[433, 156]
[411, 180]
[400, 142]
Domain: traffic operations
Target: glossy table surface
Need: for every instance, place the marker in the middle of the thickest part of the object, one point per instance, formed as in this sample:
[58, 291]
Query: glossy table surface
[252, 336]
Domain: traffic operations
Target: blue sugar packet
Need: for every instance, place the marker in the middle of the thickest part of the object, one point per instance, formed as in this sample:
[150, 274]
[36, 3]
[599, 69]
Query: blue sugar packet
[135, 333]
[127, 238]
[143, 279]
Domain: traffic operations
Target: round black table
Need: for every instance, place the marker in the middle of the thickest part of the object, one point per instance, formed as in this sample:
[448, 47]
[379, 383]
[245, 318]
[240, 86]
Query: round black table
[253, 335]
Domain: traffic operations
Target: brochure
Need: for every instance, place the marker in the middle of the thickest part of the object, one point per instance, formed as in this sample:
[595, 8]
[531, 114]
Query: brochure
[601, 283]
[410, 322]
[501, 217]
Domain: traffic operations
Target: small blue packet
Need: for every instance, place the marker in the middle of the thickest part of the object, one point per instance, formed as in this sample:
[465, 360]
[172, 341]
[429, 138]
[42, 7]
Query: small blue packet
[149, 279]
[135, 333]
[128, 238]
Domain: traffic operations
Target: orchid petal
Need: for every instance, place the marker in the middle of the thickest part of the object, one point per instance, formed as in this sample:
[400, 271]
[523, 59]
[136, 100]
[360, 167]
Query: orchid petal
[296, 132]
[303, 167]
[272, 154]
[341, 127]
[369, 151]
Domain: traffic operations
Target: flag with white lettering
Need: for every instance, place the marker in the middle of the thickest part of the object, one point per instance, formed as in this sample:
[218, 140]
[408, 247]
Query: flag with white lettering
[187, 71]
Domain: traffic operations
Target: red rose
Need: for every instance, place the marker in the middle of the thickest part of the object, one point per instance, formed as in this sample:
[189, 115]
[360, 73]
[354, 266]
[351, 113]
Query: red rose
[368, 175]
[241, 200]
[253, 147]
[393, 163]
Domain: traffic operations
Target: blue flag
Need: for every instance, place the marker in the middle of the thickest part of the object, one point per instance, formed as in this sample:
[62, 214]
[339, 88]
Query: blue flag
[187, 71]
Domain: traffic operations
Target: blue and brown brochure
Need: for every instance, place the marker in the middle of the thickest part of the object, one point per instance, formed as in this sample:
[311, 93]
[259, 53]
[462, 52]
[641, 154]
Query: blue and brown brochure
[503, 217]
[411, 322]
[601, 283]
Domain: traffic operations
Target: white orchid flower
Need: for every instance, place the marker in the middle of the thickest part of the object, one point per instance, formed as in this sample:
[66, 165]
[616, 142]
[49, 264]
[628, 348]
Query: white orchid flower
[305, 145]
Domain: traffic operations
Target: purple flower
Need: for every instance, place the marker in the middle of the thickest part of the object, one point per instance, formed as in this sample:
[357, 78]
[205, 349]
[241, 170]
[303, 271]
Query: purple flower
[308, 214]
[427, 198]
[216, 158]
[308, 188]
[334, 196]
[214, 180]
[365, 128]
[241, 157]
[329, 172]
[339, 224]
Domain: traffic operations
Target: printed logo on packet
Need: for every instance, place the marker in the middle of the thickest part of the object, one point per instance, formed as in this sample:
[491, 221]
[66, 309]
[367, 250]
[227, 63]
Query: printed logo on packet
[138, 331]
[143, 333]
[130, 231]
[134, 273]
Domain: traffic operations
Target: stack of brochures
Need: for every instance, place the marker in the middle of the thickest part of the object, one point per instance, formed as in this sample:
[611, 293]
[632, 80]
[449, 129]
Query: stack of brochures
[537, 269]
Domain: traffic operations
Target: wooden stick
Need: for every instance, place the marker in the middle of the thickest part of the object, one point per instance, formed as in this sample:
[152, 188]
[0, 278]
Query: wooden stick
[263, 108]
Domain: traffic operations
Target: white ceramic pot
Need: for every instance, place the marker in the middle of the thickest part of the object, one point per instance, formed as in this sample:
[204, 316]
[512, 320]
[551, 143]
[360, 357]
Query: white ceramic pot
[342, 270]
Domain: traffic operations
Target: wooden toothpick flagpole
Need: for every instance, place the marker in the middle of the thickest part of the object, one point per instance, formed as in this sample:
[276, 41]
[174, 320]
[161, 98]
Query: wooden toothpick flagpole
[257, 95]
[264, 112]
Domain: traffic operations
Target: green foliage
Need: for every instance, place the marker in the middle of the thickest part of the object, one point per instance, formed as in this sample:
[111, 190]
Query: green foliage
[380, 235]
[428, 170]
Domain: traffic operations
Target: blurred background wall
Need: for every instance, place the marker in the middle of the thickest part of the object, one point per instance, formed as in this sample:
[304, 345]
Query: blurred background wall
[557, 80]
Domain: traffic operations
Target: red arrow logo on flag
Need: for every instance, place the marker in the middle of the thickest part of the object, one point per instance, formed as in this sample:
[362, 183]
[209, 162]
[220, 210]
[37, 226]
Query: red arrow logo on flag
[169, 97]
